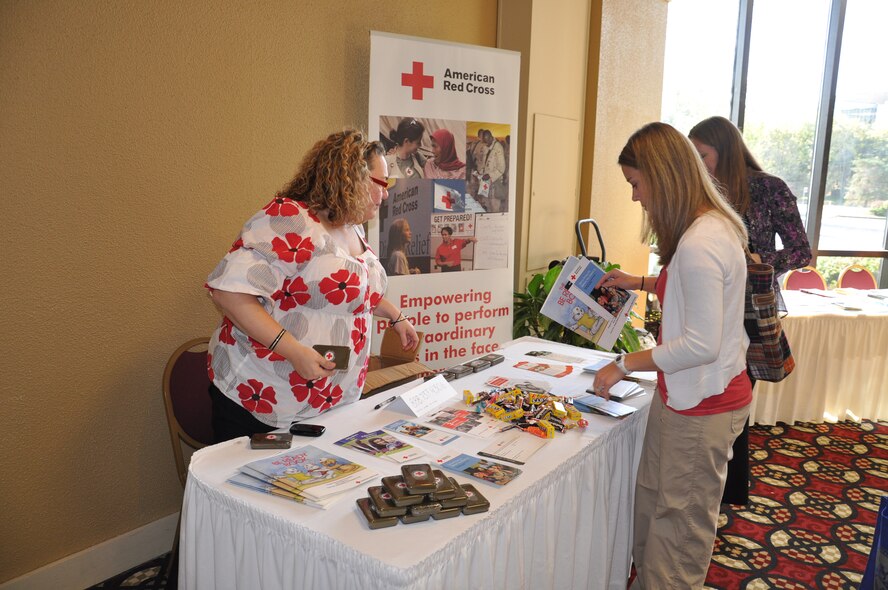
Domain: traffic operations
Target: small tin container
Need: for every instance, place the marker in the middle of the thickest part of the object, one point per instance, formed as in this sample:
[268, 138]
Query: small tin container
[459, 371]
[419, 478]
[411, 518]
[477, 365]
[444, 490]
[374, 521]
[427, 508]
[476, 502]
[383, 503]
[447, 513]
[493, 359]
[394, 485]
[458, 500]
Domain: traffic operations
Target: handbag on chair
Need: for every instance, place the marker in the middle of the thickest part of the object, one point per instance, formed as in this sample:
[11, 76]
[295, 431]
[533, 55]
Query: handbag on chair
[768, 357]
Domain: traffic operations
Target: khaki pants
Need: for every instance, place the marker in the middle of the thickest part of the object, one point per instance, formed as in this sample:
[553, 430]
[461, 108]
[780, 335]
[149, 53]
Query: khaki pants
[678, 493]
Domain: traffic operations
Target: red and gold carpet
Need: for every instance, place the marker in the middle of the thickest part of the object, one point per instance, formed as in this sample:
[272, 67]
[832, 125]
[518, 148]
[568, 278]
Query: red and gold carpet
[810, 520]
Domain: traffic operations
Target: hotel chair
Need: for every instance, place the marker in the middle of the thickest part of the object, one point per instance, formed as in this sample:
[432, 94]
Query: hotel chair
[189, 416]
[804, 278]
[857, 277]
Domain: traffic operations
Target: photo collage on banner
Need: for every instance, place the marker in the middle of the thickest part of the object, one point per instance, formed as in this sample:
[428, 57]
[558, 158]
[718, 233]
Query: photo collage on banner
[448, 193]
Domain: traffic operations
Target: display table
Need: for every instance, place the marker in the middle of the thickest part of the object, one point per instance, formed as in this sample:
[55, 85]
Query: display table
[841, 360]
[565, 522]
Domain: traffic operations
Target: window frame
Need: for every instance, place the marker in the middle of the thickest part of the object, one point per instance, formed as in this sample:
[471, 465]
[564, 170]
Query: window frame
[822, 128]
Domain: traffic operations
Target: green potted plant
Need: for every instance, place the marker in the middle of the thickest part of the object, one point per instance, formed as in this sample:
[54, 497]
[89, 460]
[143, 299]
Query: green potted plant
[528, 321]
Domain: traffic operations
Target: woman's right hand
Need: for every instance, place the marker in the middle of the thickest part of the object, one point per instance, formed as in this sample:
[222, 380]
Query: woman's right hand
[618, 278]
[309, 363]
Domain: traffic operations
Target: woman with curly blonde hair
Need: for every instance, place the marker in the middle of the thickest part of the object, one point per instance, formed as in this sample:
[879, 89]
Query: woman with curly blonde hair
[301, 274]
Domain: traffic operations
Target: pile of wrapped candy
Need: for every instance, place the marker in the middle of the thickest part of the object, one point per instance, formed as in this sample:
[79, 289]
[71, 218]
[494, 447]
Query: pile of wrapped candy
[536, 412]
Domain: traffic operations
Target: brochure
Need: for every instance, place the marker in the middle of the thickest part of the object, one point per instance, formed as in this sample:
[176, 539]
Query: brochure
[545, 369]
[515, 446]
[421, 431]
[380, 444]
[258, 484]
[598, 315]
[311, 472]
[483, 469]
[466, 422]
[599, 405]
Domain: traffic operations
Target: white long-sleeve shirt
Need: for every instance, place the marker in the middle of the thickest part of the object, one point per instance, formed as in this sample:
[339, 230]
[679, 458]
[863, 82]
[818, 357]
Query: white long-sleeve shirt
[703, 339]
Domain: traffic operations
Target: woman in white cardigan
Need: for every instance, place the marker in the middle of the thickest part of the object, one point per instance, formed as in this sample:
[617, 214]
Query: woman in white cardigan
[703, 392]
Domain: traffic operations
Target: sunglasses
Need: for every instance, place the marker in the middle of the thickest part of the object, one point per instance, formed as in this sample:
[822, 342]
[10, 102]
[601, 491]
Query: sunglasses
[386, 183]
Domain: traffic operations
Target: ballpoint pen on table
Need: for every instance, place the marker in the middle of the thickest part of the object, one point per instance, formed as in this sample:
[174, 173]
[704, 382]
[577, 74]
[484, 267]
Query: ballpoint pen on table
[385, 403]
[810, 292]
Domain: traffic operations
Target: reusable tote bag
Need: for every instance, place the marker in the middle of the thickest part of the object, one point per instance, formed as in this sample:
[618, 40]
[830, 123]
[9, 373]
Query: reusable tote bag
[768, 356]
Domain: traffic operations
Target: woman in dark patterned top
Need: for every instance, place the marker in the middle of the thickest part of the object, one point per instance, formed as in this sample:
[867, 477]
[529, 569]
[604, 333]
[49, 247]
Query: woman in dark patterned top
[765, 202]
[769, 209]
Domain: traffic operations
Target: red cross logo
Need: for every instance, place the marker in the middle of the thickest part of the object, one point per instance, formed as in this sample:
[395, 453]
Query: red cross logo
[417, 80]
[448, 200]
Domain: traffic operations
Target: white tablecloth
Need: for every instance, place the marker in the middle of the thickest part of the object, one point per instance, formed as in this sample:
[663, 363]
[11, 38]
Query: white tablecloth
[841, 361]
[564, 523]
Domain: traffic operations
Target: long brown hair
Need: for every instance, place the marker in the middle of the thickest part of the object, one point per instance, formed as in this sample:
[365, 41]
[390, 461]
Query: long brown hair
[332, 176]
[679, 185]
[734, 158]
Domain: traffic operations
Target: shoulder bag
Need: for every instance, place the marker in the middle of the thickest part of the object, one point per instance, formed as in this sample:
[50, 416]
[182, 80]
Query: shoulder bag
[768, 357]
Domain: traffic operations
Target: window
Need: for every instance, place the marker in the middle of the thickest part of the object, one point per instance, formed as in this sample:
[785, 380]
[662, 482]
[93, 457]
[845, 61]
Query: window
[789, 58]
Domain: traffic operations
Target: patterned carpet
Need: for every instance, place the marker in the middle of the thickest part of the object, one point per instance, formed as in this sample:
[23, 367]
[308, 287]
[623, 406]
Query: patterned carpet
[814, 493]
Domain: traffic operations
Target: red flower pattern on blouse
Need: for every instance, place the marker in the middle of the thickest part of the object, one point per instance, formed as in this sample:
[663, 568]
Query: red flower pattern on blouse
[255, 397]
[308, 212]
[292, 293]
[325, 399]
[375, 298]
[263, 352]
[281, 205]
[359, 335]
[303, 388]
[225, 334]
[239, 243]
[362, 376]
[295, 249]
[340, 286]
[210, 372]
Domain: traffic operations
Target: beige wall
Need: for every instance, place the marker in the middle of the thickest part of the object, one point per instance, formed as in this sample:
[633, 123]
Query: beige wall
[135, 139]
[623, 93]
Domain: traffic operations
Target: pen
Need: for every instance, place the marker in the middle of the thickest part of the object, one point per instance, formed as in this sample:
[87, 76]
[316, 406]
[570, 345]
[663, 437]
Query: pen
[386, 402]
[810, 292]
[877, 296]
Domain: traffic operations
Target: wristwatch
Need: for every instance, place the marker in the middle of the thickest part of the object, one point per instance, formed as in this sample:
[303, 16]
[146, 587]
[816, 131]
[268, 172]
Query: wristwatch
[619, 361]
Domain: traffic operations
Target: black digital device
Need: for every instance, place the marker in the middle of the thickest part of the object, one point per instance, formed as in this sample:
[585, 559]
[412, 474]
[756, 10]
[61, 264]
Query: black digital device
[302, 429]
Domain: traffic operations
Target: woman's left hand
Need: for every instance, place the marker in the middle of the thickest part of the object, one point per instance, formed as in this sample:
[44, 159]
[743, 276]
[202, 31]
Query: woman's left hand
[605, 378]
[407, 333]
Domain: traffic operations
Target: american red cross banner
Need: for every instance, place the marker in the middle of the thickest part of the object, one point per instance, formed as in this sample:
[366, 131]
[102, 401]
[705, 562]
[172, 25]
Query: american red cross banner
[447, 115]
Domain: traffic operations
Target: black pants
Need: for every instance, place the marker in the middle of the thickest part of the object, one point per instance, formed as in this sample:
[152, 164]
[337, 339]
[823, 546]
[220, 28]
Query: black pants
[231, 420]
[737, 482]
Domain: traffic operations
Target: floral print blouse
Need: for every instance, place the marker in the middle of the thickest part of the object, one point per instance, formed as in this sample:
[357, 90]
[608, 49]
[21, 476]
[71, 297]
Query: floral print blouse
[314, 289]
[772, 212]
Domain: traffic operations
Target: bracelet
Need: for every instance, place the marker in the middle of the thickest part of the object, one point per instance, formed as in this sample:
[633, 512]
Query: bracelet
[642, 283]
[277, 339]
[401, 318]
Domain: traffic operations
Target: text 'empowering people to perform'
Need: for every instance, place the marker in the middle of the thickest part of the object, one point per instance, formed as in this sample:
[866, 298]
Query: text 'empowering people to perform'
[453, 317]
